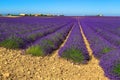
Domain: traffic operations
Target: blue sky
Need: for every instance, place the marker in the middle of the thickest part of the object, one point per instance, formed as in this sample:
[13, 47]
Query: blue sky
[66, 7]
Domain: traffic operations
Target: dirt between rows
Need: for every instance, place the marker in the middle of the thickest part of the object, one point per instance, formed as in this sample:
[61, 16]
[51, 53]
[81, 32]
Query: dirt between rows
[14, 66]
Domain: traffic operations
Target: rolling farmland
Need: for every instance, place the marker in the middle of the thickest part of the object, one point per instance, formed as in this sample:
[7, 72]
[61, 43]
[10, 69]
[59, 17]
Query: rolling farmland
[60, 48]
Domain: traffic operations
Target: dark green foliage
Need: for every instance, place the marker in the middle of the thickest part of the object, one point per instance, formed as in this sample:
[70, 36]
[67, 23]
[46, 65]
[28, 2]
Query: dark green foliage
[12, 43]
[8, 14]
[35, 51]
[40, 50]
[61, 15]
[106, 50]
[116, 69]
[73, 54]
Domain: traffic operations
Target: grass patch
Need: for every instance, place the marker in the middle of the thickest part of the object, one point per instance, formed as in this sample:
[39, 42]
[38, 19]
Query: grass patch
[116, 69]
[12, 43]
[73, 54]
[35, 51]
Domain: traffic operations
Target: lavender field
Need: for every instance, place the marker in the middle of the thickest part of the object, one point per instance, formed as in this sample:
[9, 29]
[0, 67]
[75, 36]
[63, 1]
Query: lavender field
[42, 36]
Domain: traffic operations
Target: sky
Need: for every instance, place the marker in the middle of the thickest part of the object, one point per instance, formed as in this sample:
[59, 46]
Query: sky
[66, 7]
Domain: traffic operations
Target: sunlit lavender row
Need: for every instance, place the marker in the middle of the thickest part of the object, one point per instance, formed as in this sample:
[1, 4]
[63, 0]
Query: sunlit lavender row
[74, 48]
[51, 42]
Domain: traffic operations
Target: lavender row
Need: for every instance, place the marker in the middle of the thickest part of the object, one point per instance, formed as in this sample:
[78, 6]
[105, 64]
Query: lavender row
[109, 27]
[28, 34]
[99, 45]
[113, 28]
[74, 49]
[31, 38]
[9, 27]
[110, 63]
[112, 38]
[31, 34]
[50, 42]
[106, 23]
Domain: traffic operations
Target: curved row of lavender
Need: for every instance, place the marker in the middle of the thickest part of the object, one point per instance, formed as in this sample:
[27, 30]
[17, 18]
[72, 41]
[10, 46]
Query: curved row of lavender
[110, 62]
[99, 45]
[49, 43]
[74, 48]
[29, 29]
